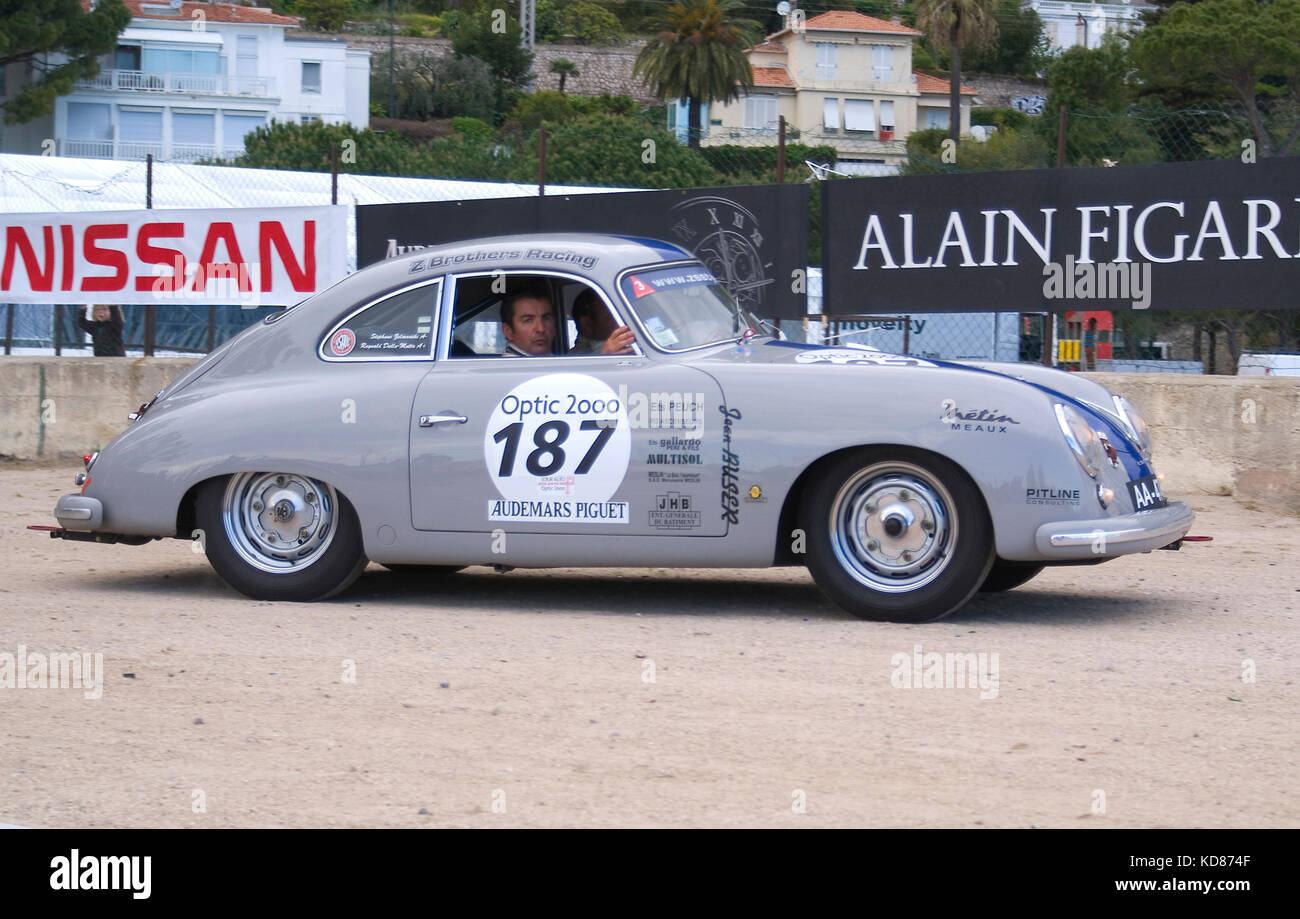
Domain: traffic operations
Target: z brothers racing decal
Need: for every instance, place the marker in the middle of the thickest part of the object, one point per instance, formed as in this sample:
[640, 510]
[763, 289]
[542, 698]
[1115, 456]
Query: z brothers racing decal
[557, 448]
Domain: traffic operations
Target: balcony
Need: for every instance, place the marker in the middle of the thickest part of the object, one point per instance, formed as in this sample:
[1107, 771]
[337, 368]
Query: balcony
[207, 84]
[135, 150]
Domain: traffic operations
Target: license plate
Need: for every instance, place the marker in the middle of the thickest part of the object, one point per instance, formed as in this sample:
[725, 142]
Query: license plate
[1146, 493]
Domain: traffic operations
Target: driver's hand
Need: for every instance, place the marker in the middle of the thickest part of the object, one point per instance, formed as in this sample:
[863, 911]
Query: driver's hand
[620, 341]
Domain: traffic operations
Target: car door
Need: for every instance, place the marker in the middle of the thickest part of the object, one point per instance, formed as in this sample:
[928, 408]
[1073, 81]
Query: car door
[574, 444]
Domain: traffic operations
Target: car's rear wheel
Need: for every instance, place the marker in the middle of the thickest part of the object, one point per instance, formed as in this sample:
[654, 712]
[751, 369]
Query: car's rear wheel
[1008, 576]
[280, 535]
[896, 534]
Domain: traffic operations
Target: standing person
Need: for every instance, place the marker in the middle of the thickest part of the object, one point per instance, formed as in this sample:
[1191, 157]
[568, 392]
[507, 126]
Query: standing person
[105, 328]
[1090, 345]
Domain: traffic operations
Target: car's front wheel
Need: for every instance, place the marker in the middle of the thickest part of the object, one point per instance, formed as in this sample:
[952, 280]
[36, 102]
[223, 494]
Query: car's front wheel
[897, 535]
[1008, 576]
[280, 535]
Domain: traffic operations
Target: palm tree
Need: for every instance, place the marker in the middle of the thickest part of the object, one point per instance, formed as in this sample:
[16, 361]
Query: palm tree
[565, 68]
[956, 24]
[699, 56]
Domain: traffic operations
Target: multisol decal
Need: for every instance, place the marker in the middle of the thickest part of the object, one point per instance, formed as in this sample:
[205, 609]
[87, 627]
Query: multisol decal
[990, 421]
[1057, 496]
[730, 468]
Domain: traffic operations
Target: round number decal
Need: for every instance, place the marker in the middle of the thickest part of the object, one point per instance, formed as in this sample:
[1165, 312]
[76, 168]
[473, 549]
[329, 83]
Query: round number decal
[559, 437]
[343, 342]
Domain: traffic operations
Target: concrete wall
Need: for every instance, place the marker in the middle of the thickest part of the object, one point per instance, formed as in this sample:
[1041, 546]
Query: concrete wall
[1221, 434]
[61, 408]
[1212, 434]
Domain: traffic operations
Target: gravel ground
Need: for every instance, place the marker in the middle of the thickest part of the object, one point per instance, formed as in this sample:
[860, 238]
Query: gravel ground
[1154, 691]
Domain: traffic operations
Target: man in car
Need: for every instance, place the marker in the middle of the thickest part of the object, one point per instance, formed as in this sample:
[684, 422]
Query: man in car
[528, 321]
[597, 333]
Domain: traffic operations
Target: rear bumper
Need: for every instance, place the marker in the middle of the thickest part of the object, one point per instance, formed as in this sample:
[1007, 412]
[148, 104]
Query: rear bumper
[1108, 536]
[79, 513]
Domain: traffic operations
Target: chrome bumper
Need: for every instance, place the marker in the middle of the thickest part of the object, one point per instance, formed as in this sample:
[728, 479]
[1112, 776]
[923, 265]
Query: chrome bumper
[1108, 536]
[79, 513]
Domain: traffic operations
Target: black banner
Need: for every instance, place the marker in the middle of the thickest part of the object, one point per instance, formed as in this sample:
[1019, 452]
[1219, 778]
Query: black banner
[1208, 235]
[753, 238]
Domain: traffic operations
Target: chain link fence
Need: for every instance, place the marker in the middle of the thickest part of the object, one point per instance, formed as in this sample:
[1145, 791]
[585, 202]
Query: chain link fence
[610, 142]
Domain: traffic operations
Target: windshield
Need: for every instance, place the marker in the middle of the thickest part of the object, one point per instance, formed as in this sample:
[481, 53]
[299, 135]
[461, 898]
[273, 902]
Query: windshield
[685, 307]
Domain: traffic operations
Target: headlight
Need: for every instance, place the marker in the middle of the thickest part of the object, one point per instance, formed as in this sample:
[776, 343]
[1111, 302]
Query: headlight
[1081, 437]
[1135, 423]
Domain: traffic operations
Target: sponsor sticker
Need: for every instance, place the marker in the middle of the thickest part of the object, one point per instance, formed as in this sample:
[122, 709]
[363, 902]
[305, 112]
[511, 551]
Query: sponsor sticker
[557, 448]
[343, 342]
[852, 356]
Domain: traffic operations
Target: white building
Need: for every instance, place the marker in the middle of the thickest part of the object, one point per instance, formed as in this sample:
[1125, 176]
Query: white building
[842, 79]
[190, 79]
[1068, 23]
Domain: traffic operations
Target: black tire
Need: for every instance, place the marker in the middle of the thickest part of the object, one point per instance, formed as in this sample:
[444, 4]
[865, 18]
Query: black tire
[896, 535]
[435, 571]
[248, 523]
[1009, 575]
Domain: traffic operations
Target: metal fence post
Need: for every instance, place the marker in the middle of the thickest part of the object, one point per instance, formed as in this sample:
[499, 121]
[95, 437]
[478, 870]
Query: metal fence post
[58, 330]
[9, 328]
[150, 311]
[780, 149]
[541, 161]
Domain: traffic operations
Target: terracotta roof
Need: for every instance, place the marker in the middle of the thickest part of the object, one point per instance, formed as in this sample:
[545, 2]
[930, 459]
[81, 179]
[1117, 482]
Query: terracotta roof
[772, 76]
[931, 84]
[855, 22]
[769, 46]
[213, 12]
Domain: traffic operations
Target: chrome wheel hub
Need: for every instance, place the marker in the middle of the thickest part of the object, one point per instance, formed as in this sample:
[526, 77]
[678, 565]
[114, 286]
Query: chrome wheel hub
[278, 522]
[892, 527]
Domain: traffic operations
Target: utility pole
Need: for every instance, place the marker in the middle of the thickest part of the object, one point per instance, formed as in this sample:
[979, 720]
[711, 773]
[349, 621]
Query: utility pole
[392, 52]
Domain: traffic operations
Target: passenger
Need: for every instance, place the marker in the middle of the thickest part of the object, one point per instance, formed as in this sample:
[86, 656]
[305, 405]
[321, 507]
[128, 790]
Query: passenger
[528, 321]
[597, 333]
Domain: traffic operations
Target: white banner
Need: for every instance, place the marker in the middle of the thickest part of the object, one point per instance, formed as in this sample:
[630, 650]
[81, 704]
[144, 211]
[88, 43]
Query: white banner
[227, 256]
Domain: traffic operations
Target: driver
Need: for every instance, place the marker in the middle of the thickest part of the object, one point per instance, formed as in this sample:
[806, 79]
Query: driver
[597, 333]
[528, 321]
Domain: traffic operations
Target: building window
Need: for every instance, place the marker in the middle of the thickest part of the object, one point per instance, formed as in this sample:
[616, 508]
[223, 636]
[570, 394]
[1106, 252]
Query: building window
[887, 115]
[311, 76]
[139, 125]
[882, 63]
[194, 128]
[831, 115]
[936, 118]
[760, 112]
[235, 126]
[310, 119]
[826, 57]
[128, 57]
[174, 60]
[859, 115]
[89, 121]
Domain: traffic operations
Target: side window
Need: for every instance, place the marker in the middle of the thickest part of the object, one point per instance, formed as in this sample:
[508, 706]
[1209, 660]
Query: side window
[398, 327]
[541, 308]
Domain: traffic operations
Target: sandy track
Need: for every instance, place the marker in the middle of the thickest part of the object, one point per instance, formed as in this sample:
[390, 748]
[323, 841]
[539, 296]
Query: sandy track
[1122, 681]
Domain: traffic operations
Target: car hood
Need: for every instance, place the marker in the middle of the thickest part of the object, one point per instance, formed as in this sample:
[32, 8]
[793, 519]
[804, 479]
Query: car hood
[1080, 392]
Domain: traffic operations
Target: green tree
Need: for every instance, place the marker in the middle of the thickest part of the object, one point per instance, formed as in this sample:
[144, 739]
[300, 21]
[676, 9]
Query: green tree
[591, 23]
[954, 25]
[565, 68]
[491, 35]
[325, 15]
[699, 55]
[35, 30]
[429, 85]
[1252, 49]
[611, 150]
[1020, 47]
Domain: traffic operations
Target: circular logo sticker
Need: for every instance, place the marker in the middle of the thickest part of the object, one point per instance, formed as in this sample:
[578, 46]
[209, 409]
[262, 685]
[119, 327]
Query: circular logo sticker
[562, 437]
[342, 342]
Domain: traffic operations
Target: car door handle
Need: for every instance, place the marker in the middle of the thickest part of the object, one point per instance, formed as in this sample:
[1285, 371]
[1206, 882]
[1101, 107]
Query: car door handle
[428, 421]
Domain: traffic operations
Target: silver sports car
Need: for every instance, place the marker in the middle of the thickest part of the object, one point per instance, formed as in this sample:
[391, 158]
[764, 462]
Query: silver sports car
[582, 400]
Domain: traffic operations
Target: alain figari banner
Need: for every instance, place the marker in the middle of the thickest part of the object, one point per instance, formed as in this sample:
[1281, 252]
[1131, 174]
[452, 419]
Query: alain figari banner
[237, 256]
[1208, 235]
[753, 238]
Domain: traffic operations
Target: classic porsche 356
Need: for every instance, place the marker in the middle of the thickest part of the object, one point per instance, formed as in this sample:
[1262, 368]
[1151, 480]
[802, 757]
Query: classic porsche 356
[391, 418]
